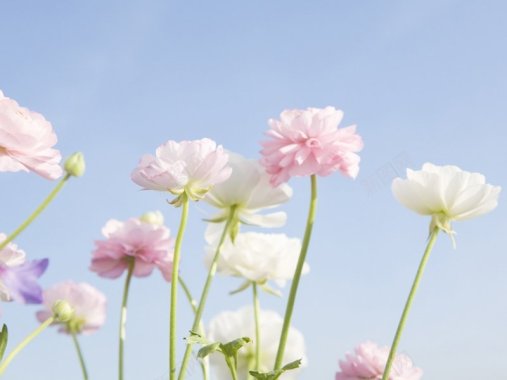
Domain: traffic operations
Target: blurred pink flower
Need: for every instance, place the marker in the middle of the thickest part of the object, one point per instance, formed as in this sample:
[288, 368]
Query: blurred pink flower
[368, 363]
[306, 142]
[88, 303]
[190, 167]
[26, 141]
[147, 243]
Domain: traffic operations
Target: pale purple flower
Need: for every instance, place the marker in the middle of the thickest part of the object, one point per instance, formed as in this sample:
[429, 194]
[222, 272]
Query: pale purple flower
[18, 277]
[307, 142]
[147, 244]
[189, 167]
[230, 325]
[368, 363]
[88, 303]
[26, 141]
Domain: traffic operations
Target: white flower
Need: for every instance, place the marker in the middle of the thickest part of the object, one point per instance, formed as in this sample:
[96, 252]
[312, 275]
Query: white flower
[446, 193]
[230, 325]
[88, 303]
[248, 191]
[258, 257]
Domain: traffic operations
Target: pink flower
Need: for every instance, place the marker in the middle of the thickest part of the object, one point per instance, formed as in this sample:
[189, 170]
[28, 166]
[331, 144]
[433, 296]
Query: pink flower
[148, 244]
[191, 167]
[368, 363]
[26, 141]
[88, 303]
[307, 142]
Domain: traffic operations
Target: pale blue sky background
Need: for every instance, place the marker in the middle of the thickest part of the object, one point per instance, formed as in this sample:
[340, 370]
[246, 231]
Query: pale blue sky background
[423, 80]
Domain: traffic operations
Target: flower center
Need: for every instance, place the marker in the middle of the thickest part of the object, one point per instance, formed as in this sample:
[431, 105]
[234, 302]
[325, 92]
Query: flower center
[3, 151]
[312, 142]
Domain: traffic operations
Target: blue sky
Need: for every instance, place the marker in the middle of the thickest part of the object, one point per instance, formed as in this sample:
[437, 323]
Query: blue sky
[423, 81]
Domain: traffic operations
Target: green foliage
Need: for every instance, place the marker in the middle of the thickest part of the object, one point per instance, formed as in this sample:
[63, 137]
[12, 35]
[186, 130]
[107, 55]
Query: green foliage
[274, 375]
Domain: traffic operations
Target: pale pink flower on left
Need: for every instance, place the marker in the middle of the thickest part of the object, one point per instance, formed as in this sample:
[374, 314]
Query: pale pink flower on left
[189, 167]
[26, 141]
[149, 245]
[88, 303]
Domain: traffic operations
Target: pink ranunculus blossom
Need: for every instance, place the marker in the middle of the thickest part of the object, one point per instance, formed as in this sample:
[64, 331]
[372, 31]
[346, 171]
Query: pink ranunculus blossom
[307, 142]
[189, 167]
[369, 360]
[148, 244]
[88, 303]
[26, 141]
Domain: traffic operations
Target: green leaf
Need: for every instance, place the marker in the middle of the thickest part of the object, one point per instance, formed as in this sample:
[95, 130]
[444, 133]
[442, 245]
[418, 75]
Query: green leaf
[196, 338]
[231, 349]
[245, 285]
[209, 349]
[3, 340]
[274, 375]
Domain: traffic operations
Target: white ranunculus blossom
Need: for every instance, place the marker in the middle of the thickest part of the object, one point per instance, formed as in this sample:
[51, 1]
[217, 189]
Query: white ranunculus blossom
[258, 257]
[230, 325]
[247, 190]
[446, 193]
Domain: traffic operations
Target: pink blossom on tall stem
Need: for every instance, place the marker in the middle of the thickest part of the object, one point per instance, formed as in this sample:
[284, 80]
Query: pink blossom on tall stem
[26, 141]
[148, 244]
[368, 362]
[307, 142]
[88, 303]
[189, 167]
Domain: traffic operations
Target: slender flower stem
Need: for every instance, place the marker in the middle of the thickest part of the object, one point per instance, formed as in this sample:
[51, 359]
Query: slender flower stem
[193, 304]
[297, 275]
[25, 341]
[36, 213]
[205, 291]
[231, 363]
[256, 309]
[123, 316]
[410, 299]
[174, 288]
[80, 356]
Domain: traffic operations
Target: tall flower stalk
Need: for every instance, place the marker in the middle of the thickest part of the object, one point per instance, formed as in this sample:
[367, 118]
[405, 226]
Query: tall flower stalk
[80, 356]
[174, 288]
[205, 291]
[256, 310]
[410, 299]
[297, 275]
[123, 316]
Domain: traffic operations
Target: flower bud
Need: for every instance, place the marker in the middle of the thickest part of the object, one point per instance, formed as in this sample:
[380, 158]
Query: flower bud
[75, 165]
[152, 217]
[62, 311]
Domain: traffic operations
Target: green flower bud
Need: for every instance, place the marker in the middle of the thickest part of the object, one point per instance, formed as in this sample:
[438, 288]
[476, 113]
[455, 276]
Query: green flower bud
[75, 165]
[152, 217]
[62, 311]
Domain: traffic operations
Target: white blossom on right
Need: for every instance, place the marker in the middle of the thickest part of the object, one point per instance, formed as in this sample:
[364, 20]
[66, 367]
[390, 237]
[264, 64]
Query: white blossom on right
[258, 257]
[230, 325]
[446, 193]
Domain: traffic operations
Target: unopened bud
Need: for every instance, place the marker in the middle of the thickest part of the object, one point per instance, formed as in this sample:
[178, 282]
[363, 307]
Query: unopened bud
[75, 165]
[62, 311]
[152, 217]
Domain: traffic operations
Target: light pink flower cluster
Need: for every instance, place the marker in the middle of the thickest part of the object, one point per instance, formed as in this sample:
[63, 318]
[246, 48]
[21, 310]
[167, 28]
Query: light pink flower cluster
[147, 244]
[191, 167]
[88, 303]
[368, 363]
[307, 142]
[26, 141]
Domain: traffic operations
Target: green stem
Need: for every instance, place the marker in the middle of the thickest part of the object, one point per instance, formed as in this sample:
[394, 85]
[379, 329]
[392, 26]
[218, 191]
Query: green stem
[123, 316]
[205, 291]
[36, 213]
[410, 299]
[25, 341]
[80, 356]
[297, 275]
[174, 288]
[231, 363]
[193, 304]
[257, 327]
